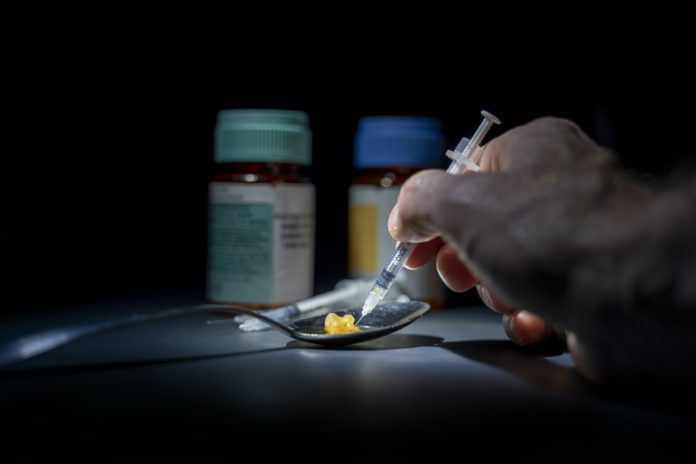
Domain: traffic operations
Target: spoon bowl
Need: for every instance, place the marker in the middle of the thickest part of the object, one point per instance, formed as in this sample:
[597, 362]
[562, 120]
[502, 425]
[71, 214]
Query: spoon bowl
[384, 319]
[387, 317]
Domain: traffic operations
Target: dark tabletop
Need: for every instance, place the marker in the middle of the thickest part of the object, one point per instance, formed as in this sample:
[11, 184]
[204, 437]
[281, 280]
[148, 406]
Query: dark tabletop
[450, 382]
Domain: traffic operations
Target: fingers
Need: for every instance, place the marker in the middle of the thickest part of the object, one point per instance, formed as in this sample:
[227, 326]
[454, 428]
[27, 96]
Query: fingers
[433, 204]
[422, 207]
[452, 271]
[522, 327]
[525, 328]
[493, 302]
[544, 142]
[450, 268]
[423, 253]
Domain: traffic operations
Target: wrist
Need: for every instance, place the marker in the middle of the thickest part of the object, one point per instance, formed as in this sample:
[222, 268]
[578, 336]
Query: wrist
[612, 252]
[634, 252]
[632, 296]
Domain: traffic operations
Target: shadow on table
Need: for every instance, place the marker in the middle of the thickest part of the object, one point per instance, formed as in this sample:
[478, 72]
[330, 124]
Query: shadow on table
[16, 371]
[526, 363]
[389, 342]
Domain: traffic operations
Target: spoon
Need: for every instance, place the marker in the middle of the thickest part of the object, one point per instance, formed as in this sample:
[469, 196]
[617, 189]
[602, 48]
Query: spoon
[391, 317]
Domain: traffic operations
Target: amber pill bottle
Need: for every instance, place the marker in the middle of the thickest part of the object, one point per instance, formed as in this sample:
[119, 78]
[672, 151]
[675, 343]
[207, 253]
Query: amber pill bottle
[261, 210]
[388, 150]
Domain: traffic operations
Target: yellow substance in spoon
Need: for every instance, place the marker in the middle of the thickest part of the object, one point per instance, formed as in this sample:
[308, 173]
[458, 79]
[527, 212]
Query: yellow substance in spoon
[336, 325]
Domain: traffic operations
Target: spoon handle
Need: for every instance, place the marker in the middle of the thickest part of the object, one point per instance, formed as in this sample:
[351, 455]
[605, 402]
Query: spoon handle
[40, 342]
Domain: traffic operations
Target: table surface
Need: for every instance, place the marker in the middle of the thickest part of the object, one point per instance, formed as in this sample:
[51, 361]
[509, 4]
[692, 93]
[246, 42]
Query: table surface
[449, 381]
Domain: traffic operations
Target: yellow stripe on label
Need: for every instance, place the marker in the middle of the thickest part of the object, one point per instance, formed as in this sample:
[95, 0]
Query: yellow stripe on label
[362, 238]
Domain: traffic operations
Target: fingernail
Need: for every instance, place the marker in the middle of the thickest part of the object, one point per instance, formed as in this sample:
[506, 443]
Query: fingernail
[444, 278]
[534, 327]
[510, 329]
[393, 222]
[485, 296]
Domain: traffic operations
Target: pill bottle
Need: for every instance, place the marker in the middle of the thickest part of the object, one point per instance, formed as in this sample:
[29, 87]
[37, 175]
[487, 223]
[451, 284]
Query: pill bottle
[261, 210]
[389, 149]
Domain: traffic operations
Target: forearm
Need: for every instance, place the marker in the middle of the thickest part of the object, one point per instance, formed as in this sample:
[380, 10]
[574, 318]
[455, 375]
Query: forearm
[581, 248]
[668, 268]
[637, 252]
[632, 296]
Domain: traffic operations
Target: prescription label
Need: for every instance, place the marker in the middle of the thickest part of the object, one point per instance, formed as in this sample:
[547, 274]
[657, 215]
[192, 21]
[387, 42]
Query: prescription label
[260, 243]
[362, 253]
[371, 246]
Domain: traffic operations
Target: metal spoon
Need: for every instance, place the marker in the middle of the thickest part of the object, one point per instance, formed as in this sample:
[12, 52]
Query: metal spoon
[390, 317]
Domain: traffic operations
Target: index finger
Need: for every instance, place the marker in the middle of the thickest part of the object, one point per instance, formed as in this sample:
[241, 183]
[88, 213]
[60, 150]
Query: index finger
[423, 253]
[433, 203]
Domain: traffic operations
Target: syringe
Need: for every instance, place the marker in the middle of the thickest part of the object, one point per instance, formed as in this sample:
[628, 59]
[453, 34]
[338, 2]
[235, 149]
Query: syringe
[461, 161]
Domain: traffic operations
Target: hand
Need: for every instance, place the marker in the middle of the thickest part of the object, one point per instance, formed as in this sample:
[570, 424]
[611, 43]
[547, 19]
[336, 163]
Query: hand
[549, 232]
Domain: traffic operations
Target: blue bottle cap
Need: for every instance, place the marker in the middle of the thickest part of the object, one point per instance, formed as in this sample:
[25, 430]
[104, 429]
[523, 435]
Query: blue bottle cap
[399, 141]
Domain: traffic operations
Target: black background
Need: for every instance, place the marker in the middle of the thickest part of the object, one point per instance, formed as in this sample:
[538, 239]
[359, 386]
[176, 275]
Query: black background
[109, 121]
[105, 186]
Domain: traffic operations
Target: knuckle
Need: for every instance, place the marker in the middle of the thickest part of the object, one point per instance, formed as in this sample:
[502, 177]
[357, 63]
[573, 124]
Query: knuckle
[421, 183]
[555, 124]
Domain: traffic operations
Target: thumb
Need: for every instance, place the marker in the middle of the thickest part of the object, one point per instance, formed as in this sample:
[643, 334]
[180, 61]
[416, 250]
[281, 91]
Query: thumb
[422, 207]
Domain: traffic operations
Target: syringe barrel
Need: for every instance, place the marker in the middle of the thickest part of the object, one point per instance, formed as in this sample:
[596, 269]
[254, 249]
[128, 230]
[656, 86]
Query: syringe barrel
[397, 261]
[401, 254]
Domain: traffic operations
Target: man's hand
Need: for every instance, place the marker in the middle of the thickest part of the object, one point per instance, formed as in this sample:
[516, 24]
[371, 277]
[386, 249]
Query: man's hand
[551, 232]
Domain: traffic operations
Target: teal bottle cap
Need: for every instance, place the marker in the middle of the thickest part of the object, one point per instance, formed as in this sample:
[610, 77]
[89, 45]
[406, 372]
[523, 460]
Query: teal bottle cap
[267, 136]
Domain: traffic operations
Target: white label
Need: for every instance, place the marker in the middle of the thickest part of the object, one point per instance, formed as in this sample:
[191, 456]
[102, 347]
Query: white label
[260, 243]
[421, 284]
